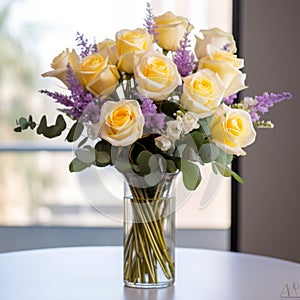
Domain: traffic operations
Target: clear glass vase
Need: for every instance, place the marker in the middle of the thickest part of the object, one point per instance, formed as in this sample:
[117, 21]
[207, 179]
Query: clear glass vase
[149, 231]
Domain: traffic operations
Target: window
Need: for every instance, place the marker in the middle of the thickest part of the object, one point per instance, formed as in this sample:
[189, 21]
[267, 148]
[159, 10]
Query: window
[37, 188]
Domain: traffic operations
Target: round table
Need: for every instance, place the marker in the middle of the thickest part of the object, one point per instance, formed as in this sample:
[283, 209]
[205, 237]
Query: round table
[95, 273]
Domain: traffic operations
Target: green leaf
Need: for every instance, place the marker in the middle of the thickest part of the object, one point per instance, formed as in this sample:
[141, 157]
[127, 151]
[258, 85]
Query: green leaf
[198, 137]
[224, 158]
[102, 159]
[86, 154]
[208, 152]
[103, 145]
[191, 174]
[143, 162]
[205, 126]
[18, 129]
[77, 165]
[53, 130]
[227, 172]
[23, 123]
[75, 132]
[171, 166]
[82, 142]
[122, 165]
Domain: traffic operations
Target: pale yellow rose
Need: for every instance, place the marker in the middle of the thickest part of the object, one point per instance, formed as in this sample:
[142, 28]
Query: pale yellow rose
[170, 30]
[202, 92]
[59, 65]
[213, 53]
[131, 44]
[89, 67]
[121, 123]
[216, 37]
[232, 129]
[108, 48]
[156, 75]
[232, 78]
[105, 82]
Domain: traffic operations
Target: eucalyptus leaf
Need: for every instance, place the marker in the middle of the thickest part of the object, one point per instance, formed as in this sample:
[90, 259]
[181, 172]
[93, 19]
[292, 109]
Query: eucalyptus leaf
[143, 162]
[75, 132]
[18, 129]
[103, 145]
[23, 123]
[171, 166]
[227, 172]
[82, 142]
[122, 165]
[224, 158]
[53, 130]
[102, 159]
[191, 174]
[205, 126]
[208, 152]
[86, 154]
[198, 138]
[77, 165]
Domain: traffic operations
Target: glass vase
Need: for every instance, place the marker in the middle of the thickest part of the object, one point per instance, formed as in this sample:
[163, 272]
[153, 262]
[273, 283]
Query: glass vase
[149, 231]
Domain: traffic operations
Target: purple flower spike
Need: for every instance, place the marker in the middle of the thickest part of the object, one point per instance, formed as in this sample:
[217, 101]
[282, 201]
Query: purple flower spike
[78, 103]
[149, 22]
[230, 99]
[86, 48]
[153, 119]
[265, 101]
[184, 59]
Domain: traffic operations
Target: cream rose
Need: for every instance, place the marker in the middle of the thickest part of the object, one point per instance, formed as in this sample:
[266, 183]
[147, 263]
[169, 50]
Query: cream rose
[90, 66]
[215, 37]
[131, 44]
[121, 123]
[59, 65]
[96, 75]
[232, 129]
[156, 75]
[171, 29]
[108, 48]
[227, 65]
[202, 92]
[105, 82]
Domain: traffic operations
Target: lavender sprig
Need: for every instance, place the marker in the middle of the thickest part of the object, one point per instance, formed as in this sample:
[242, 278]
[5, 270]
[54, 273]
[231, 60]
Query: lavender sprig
[85, 47]
[264, 102]
[184, 58]
[79, 102]
[230, 99]
[153, 119]
[149, 22]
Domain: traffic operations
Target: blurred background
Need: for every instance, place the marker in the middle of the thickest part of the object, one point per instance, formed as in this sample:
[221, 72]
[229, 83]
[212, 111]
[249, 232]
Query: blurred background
[43, 205]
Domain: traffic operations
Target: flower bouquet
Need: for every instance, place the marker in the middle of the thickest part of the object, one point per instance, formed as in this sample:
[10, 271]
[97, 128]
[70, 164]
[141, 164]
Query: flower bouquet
[150, 106]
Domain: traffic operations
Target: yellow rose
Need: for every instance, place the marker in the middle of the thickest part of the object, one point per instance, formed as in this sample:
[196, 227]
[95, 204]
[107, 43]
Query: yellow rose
[105, 82]
[216, 37]
[171, 29]
[227, 66]
[156, 75]
[121, 123]
[130, 44]
[89, 67]
[108, 48]
[59, 65]
[202, 92]
[232, 129]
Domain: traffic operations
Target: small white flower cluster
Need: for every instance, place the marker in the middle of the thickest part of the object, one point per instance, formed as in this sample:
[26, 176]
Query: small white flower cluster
[176, 129]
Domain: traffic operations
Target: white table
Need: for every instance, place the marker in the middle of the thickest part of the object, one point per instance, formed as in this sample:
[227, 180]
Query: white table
[95, 273]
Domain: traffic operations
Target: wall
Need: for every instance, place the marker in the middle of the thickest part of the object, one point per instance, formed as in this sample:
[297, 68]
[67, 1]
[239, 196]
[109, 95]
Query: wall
[269, 204]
